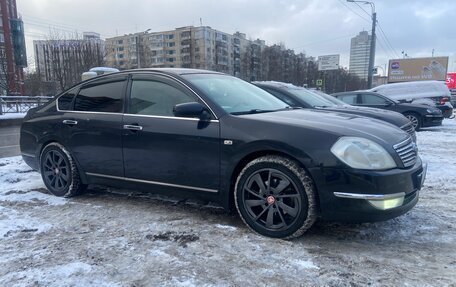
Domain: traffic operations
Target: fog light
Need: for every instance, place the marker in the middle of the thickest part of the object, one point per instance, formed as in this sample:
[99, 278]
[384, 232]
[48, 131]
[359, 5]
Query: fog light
[385, 204]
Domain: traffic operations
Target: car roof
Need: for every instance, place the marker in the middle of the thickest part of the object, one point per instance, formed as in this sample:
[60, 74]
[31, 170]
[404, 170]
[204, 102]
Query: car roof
[277, 84]
[354, 92]
[174, 71]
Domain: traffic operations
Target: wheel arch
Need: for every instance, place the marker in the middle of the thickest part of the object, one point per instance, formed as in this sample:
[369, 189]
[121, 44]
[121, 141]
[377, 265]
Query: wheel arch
[45, 143]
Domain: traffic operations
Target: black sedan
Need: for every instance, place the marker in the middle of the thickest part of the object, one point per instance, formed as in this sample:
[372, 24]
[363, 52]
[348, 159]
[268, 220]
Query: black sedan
[210, 135]
[301, 97]
[420, 115]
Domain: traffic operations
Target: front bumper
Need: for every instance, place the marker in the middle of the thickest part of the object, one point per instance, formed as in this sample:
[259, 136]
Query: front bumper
[447, 110]
[347, 194]
[431, 120]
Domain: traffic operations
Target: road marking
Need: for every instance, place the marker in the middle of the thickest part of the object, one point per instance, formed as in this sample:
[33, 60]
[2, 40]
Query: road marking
[9, 146]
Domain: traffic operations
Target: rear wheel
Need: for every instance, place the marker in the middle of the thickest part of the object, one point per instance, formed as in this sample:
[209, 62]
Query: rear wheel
[275, 197]
[59, 171]
[414, 119]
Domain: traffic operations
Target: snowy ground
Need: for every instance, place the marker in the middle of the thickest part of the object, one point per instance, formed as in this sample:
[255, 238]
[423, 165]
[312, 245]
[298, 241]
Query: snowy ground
[114, 238]
[8, 116]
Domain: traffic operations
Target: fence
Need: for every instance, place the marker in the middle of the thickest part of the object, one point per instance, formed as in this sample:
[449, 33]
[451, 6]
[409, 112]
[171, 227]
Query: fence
[20, 104]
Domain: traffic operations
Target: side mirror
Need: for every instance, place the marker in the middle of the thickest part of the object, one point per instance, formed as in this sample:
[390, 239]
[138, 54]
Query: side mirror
[191, 110]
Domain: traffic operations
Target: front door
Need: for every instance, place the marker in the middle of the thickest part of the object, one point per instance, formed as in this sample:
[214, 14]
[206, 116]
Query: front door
[165, 150]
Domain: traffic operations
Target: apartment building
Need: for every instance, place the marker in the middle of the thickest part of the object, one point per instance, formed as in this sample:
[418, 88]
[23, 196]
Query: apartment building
[186, 47]
[359, 55]
[13, 56]
[63, 61]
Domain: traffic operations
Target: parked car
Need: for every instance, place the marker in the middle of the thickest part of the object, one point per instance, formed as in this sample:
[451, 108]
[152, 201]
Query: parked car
[420, 115]
[301, 97]
[209, 135]
[411, 92]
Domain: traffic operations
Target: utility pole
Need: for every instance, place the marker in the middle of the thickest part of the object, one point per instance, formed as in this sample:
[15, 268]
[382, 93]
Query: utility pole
[370, 72]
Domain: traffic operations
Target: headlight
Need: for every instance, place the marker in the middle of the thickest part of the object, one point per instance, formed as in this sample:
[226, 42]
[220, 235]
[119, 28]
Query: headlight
[433, 111]
[362, 153]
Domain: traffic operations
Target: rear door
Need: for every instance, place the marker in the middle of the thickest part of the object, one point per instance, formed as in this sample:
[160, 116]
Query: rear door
[92, 129]
[165, 150]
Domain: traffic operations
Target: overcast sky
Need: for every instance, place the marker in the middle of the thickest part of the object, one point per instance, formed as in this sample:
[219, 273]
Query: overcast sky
[316, 27]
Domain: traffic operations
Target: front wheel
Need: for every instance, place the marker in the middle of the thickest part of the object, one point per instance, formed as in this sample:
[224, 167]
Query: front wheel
[414, 119]
[59, 171]
[275, 197]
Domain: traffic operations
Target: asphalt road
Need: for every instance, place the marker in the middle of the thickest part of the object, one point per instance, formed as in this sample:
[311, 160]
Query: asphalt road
[9, 141]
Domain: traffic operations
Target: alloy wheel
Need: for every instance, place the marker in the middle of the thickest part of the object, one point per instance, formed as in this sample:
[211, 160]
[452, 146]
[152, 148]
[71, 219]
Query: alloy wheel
[414, 120]
[56, 170]
[271, 199]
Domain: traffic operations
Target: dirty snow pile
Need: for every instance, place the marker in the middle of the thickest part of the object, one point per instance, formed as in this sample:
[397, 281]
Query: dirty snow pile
[119, 238]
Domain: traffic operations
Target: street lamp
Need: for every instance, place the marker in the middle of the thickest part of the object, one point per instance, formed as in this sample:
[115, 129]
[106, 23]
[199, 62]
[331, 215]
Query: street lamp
[138, 45]
[372, 45]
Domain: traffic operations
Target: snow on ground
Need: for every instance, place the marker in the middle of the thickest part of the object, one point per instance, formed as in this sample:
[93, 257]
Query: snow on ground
[119, 238]
[12, 116]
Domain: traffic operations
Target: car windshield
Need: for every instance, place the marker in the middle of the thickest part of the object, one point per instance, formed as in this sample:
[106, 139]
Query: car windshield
[235, 96]
[312, 99]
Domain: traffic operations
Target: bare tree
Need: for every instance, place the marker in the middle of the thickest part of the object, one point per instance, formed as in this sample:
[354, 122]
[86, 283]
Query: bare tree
[4, 77]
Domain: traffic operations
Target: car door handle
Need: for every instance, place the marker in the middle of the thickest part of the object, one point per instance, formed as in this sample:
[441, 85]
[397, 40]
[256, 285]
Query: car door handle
[70, 122]
[133, 127]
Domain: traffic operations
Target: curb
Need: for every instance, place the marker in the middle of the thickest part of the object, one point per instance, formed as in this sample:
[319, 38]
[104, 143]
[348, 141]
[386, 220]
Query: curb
[10, 122]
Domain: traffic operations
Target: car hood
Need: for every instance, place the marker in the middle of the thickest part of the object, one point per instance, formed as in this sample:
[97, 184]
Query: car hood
[391, 117]
[338, 124]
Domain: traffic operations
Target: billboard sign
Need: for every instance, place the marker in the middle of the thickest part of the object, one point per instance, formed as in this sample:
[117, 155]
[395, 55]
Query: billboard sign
[451, 81]
[328, 62]
[417, 69]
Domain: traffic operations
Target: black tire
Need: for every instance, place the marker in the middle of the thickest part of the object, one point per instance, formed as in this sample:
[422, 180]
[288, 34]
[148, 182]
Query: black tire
[284, 209]
[59, 171]
[415, 119]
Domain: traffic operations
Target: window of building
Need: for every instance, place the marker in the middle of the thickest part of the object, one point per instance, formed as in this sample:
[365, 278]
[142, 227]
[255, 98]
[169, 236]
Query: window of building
[119, 42]
[171, 44]
[155, 98]
[170, 52]
[171, 36]
[64, 101]
[101, 97]
[170, 59]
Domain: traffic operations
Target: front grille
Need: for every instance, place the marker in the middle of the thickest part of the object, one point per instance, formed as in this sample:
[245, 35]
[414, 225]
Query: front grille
[407, 151]
[408, 128]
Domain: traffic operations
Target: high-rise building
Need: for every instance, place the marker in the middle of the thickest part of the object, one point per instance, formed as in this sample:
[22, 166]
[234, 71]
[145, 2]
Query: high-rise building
[359, 54]
[13, 56]
[187, 47]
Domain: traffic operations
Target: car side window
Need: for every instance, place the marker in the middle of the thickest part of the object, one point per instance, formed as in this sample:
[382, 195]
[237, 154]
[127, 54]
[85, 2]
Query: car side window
[349, 99]
[149, 97]
[65, 100]
[367, 99]
[101, 97]
[283, 98]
